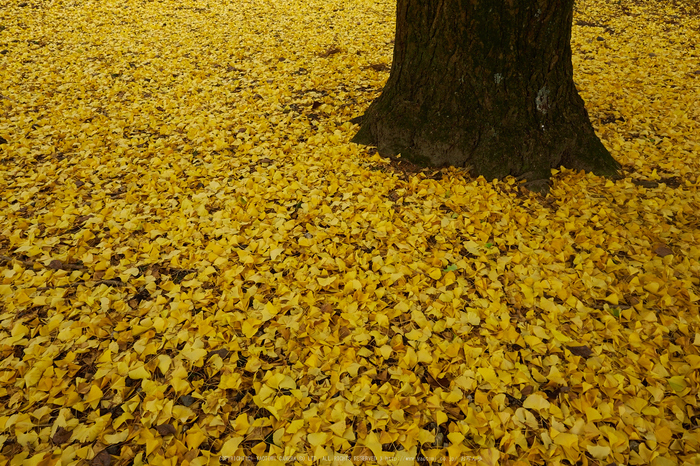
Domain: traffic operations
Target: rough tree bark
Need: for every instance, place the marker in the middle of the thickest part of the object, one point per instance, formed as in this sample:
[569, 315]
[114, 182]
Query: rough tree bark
[487, 85]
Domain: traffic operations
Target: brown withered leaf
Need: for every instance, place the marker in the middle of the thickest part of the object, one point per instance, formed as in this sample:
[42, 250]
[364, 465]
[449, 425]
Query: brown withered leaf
[61, 436]
[583, 351]
[222, 352]
[60, 265]
[646, 183]
[56, 264]
[187, 400]
[190, 455]
[361, 454]
[344, 332]
[379, 67]
[440, 382]
[454, 411]
[332, 50]
[663, 250]
[554, 392]
[258, 433]
[103, 458]
[166, 429]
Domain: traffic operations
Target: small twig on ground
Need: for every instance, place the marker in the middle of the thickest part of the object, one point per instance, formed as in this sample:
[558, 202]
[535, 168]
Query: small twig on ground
[70, 285]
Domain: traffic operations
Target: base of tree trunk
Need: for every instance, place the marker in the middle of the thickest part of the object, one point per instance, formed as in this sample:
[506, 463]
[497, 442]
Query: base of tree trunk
[493, 151]
[497, 105]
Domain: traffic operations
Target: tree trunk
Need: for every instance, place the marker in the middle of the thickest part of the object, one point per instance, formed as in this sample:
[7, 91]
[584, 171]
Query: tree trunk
[487, 85]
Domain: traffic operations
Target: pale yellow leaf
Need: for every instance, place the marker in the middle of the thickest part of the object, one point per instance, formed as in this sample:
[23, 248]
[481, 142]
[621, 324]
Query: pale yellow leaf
[139, 373]
[536, 402]
[598, 452]
[317, 438]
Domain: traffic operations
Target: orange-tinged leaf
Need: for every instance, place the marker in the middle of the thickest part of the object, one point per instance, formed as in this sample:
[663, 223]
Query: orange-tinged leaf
[664, 435]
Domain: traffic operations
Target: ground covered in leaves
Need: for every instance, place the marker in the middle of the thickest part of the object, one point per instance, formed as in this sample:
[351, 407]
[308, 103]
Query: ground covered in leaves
[196, 266]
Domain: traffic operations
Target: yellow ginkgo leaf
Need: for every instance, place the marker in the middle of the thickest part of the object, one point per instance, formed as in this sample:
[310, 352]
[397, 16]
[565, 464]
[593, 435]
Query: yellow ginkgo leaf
[250, 327]
[164, 363]
[194, 438]
[119, 437]
[598, 452]
[489, 375]
[678, 383]
[317, 438]
[326, 281]
[139, 373]
[535, 401]
[35, 373]
[566, 440]
[386, 351]
[94, 396]
[194, 354]
[241, 424]
[230, 446]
